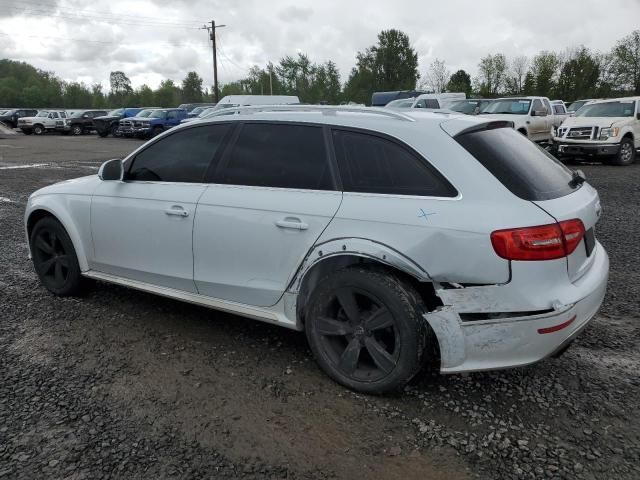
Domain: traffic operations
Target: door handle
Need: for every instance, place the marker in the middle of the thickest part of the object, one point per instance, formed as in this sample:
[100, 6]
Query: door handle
[176, 210]
[292, 222]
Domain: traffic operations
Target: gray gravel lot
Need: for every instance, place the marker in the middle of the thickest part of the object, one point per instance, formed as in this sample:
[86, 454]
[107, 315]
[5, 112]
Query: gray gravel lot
[121, 384]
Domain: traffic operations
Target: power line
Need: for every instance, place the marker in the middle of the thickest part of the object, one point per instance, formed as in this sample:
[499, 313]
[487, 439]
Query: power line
[103, 19]
[84, 40]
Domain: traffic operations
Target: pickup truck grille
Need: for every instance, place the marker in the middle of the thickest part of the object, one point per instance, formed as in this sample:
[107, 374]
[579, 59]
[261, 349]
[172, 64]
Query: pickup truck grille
[581, 133]
[126, 123]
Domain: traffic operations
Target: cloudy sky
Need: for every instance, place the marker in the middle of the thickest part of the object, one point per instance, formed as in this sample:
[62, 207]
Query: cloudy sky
[154, 39]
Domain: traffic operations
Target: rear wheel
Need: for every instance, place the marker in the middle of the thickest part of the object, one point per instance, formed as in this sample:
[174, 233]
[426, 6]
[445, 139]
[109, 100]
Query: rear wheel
[626, 154]
[366, 329]
[54, 258]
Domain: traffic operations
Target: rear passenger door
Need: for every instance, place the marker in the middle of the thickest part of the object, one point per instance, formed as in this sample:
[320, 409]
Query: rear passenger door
[272, 195]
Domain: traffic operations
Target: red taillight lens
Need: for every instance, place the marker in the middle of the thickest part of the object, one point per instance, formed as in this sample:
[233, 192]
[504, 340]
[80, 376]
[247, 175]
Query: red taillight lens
[544, 242]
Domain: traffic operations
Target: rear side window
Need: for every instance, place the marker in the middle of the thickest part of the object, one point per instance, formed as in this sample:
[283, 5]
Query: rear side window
[181, 157]
[525, 169]
[278, 155]
[373, 164]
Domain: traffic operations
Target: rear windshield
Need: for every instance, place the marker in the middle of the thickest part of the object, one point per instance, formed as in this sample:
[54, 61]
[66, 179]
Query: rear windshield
[527, 170]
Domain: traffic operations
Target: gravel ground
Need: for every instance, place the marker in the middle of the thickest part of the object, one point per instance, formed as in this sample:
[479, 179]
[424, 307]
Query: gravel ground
[121, 384]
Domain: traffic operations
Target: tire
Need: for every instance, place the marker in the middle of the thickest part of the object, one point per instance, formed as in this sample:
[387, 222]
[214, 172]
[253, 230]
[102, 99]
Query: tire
[114, 131]
[376, 348]
[156, 131]
[54, 258]
[38, 130]
[76, 130]
[626, 154]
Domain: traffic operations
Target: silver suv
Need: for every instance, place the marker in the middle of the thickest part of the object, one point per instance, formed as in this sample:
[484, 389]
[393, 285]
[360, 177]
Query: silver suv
[391, 239]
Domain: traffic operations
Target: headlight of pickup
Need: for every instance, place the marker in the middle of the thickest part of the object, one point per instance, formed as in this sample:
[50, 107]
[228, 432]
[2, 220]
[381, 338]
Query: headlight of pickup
[606, 133]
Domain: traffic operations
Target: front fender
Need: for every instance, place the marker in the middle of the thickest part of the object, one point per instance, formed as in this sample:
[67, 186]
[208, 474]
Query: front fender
[73, 212]
[359, 247]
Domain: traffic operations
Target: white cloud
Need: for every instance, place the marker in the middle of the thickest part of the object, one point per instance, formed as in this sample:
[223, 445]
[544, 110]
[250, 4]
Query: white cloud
[457, 31]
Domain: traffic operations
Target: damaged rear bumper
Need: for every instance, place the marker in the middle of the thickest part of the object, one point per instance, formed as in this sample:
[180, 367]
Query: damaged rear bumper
[495, 343]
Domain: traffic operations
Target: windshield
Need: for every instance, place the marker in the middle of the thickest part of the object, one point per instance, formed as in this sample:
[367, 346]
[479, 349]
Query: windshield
[402, 103]
[197, 110]
[205, 112]
[464, 106]
[43, 113]
[145, 113]
[575, 106]
[608, 109]
[509, 106]
[158, 114]
[77, 115]
[116, 113]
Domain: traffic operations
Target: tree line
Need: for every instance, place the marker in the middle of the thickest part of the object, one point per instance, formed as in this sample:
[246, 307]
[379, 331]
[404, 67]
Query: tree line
[390, 64]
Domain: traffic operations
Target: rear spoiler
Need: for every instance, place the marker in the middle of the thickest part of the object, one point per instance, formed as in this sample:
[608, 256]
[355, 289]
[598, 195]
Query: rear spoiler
[486, 126]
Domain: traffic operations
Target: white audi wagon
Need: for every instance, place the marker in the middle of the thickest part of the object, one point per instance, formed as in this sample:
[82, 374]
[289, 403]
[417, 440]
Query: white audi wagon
[391, 239]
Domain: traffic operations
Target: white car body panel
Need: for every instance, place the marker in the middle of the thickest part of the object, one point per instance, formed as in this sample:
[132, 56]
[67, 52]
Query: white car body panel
[248, 240]
[155, 221]
[538, 128]
[246, 264]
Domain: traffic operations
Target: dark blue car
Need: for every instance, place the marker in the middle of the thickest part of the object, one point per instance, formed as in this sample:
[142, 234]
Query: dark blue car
[160, 120]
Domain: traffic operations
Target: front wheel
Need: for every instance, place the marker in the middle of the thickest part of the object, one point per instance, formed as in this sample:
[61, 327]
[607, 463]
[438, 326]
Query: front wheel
[366, 330]
[156, 131]
[115, 130]
[76, 130]
[626, 154]
[38, 129]
[54, 258]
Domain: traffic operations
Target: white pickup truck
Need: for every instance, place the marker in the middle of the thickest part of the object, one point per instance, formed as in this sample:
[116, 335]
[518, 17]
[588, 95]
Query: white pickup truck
[45, 120]
[531, 116]
[608, 129]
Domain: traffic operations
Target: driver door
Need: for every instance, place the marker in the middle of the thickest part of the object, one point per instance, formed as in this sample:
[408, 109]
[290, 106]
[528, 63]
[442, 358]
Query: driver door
[142, 226]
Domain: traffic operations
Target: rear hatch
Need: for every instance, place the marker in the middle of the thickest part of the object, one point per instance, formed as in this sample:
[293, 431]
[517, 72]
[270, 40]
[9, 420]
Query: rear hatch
[533, 174]
[583, 204]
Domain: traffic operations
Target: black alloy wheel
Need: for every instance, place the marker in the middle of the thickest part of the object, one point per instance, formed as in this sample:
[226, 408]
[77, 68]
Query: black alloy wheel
[54, 257]
[76, 130]
[366, 330]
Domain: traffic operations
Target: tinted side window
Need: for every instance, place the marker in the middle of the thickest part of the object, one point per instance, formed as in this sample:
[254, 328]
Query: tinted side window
[277, 155]
[181, 157]
[373, 164]
[432, 103]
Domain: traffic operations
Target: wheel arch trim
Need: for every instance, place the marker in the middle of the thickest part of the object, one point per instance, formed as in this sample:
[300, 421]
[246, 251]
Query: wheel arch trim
[359, 247]
[59, 213]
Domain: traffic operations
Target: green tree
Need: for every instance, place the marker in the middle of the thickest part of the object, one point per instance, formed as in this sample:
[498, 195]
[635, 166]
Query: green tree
[145, 95]
[192, 88]
[120, 89]
[529, 86]
[460, 82]
[626, 63]
[392, 64]
[545, 68]
[492, 71]
[76, 95]
[167, 94]
[578, 76]
[98, 99]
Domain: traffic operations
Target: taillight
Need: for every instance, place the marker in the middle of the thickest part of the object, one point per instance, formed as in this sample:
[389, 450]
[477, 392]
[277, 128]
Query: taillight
[544, 242]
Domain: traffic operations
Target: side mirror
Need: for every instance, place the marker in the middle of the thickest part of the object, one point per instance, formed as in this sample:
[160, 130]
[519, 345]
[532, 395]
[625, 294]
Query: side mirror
[540, 113]
[111, 170]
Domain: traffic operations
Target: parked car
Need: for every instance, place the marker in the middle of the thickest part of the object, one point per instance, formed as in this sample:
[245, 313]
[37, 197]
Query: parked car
[380, 99]
[189, 107]
[432, 101]
[469, 106]
[392, 239]
[577, 105]
[608, 129]
[160, 120]
[109, 124]
[81, 121]
[44, 121]
[236, 101]
[132, 126]
[10, 117]
[559, 112]
[202, 114]
[531, 116]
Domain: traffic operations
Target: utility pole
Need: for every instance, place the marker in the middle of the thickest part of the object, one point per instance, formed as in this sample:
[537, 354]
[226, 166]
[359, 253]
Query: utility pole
[212, 36]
